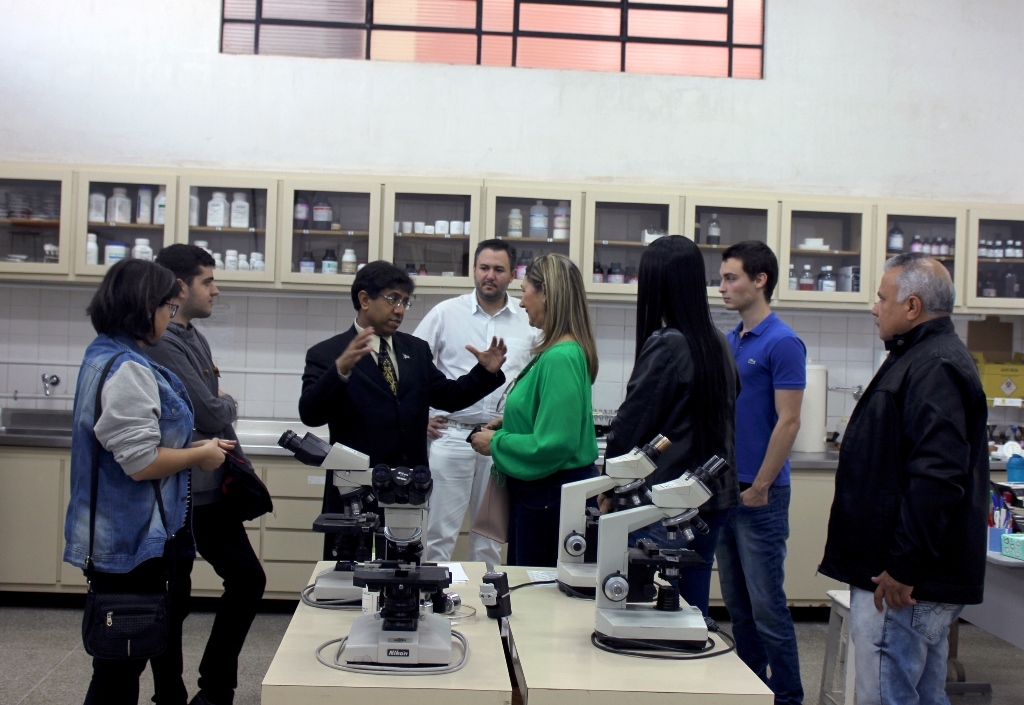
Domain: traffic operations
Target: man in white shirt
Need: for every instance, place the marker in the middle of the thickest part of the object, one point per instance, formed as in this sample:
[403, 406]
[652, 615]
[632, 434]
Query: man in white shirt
[460, 473]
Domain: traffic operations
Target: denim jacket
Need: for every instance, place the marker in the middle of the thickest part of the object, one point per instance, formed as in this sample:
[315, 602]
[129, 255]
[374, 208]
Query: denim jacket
[128, 525]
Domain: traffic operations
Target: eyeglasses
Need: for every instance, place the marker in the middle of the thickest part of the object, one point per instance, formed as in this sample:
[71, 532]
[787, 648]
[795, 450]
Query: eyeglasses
[173, 308]
[500, 407]
[394, 301]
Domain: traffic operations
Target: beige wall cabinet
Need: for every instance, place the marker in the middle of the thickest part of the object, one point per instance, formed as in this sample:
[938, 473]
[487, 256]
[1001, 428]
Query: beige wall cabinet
[290, 546]
[31, 518]
[995, 280]
[36, 206]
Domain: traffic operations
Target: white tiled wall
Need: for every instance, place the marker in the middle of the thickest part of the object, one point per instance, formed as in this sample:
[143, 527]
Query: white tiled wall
[259, 342]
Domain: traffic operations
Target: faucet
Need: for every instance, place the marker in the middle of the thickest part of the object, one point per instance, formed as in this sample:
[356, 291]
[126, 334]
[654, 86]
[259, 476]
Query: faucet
[49, 381]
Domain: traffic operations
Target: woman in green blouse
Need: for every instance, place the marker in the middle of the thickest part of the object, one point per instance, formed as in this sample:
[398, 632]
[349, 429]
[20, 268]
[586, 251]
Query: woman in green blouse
[546, 437]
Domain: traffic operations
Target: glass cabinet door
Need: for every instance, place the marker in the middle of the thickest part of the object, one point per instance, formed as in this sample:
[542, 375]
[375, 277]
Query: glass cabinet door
[329, 229]
[715, 222]
[828, 244]
[995, 274]
[425, 230]
[618, 226]
[536, 221]
[234, 218]
[122, 216]
[933, 230]
[35, 207]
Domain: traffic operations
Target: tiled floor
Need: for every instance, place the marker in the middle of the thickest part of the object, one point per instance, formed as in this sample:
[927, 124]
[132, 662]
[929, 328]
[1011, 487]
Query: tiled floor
[42, 662]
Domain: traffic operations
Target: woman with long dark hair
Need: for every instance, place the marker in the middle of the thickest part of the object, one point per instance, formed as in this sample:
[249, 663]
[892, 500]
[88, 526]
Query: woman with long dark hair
[684, 386]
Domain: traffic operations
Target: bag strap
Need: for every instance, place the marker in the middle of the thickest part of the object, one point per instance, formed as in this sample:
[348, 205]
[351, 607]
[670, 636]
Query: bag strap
[94, 487]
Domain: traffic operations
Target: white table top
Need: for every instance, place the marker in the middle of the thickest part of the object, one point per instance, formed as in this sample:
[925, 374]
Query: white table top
[551, 633]
[296, 677]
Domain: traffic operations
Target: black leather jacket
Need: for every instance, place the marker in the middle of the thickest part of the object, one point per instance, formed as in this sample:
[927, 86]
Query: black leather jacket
[912, 485]
[658, 401]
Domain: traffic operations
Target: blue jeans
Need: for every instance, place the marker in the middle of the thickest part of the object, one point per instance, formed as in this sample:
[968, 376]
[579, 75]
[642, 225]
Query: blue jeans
[694, 584]
[900, 655]
[533, 516]
[751, 553]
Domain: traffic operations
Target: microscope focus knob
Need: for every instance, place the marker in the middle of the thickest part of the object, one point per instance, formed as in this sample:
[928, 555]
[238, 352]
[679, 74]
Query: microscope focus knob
[575, 544]
[616, 588]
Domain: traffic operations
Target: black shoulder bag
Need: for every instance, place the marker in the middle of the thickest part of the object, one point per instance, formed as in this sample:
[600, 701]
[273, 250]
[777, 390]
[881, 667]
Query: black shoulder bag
[120, 625]
[242, 488]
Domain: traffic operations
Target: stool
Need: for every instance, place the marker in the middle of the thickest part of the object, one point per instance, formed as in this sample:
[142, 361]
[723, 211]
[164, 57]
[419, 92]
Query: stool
[838, 652]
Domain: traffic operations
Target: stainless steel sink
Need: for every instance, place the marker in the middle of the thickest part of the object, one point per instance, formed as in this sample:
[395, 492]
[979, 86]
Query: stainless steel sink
[35, 422]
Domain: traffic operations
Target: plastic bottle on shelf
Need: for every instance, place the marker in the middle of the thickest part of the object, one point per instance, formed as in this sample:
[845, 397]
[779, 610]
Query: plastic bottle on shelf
[1010, 285]
[926, 246]
[806, 282]
[204, 244]
[329, 264]
[631, 276]
[231, 260]
[142, 250]
[826, 280]
[943, 247]
[97, 207]
[114, 252]
[300, 218]
[218, 263]
[323, 214]
[988, 287]
[616, 275]
[515, 223]
[598, 273]
[239, 211]
[144, 206]
[193, 206]
[894, 243]
[119, 207]
[560, 231]
[523, 263]
[998, 251]
[349, 262]
[982, 249]
[92, 250]
[217, 212]
[307, 265]
[160, 207]
[792, 277]
[257, 263]
[243, 263]
[1020, 250]
[714, 230]
[916, 245]
[539, 220]
[411, 270]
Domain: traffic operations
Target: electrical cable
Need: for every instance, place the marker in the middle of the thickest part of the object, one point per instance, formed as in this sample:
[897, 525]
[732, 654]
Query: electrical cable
[459, 614]
[536, 582]
[572, 592]
[663, 652]
[376, 668]
[327, 604]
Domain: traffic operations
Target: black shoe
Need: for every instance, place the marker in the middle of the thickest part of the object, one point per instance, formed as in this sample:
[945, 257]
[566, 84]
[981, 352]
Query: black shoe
[202, 698]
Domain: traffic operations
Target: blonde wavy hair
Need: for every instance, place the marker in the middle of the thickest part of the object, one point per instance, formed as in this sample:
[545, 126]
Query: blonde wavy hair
[567, 311]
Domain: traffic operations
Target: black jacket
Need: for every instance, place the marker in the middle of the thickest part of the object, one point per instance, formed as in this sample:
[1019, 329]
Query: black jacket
[658, 400]
[363, 413]
[912, 485]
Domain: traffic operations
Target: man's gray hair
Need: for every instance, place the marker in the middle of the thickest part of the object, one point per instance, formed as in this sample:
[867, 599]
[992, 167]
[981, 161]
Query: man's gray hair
[917, 278]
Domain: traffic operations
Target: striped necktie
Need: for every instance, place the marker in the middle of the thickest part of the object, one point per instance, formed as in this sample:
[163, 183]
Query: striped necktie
[387, 368]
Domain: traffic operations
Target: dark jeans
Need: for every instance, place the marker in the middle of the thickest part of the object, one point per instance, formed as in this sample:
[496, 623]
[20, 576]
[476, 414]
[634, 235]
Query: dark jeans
[221, 540]
[694, 583]
[533, 516]
[116, 681]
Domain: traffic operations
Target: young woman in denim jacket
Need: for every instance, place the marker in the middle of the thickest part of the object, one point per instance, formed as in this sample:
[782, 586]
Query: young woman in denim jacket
[144, 433]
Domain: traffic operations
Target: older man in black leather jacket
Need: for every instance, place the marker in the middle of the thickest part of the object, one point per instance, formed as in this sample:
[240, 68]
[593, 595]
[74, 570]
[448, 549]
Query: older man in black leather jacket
[908, 523]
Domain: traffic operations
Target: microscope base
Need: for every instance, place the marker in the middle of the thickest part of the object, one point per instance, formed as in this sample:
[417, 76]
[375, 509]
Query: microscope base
[644, 623]
[578, 575]
[336, 584]
[430, 644]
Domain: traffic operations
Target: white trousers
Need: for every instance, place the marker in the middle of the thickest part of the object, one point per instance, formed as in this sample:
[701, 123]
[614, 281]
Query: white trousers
[460, 478]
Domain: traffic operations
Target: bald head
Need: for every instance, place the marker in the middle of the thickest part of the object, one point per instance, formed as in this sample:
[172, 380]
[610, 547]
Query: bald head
[926, 278]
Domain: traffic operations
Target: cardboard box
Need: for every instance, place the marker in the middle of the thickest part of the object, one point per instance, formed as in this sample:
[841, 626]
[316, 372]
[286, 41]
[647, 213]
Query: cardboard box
[1013, 546]
[1001, 370]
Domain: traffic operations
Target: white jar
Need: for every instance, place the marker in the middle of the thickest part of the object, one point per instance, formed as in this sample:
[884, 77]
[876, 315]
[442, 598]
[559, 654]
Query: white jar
[257, 263]
[193, 206]
[92, 250]
[119, 207]
[539, 220]
[515, 223]
[239, 211]
[455, 227]
[97, 207]
[144, 206]
[218, 263]
[142, 250]
[114, 252]
[561, 224]
[231, 260]
[349, 262]
[217, 211]
[243, 263]
[160, 207]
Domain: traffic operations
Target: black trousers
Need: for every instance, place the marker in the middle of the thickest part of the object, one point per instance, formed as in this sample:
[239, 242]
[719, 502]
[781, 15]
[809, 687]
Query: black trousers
[116, 682]
[222, 542]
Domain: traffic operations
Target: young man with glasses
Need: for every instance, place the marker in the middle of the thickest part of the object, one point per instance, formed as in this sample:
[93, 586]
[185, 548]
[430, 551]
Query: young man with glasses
[374, 387]
[460, 473]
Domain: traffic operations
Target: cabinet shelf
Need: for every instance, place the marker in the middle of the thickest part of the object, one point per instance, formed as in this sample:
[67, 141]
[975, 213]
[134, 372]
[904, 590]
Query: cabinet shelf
[424, 236]
[620, 243]
[939, 258]
[1000, 260]
[537, 240]
[30, 222]
[127, 226]
[337, 233]
[209, 229]
[824, 253]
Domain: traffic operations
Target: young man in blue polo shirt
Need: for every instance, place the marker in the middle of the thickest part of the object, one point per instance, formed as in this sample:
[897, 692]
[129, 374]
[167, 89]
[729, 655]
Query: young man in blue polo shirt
[771, 360]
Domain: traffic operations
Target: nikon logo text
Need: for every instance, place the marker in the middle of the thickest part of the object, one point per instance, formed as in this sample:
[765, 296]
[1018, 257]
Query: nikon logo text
[398, 652]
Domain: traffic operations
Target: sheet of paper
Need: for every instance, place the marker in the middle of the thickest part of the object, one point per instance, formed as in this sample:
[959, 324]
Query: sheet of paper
[537, 576]
[458, 574]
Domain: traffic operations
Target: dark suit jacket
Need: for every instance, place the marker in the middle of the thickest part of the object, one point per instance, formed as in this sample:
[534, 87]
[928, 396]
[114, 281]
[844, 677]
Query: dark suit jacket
[363, 413]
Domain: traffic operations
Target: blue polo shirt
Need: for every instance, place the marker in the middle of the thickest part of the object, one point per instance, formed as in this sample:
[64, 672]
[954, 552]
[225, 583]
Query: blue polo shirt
[769, 357]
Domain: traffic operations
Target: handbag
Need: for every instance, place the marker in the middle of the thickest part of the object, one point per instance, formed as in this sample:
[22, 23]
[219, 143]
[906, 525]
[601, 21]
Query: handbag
[243, 489]
[491, 520]
[122, 625]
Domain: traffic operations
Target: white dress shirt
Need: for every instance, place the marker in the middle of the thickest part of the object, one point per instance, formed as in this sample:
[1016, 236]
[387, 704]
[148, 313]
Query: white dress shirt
[374, 343]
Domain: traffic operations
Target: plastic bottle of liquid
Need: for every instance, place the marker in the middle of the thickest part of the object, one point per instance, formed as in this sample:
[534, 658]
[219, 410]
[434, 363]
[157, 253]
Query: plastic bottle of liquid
[826, 280]
[301, 215]
[524, 261]
[258, 265]
[119, 207]
[792, 278]
[92, 250]
[560, 231]
[895, 241]
[160, 207]
[204, 244]
[515, 223]
[539, 220]
[307, 265]
[998, 252]
[144, 206]
[616, 275]
[217, 212]
[714, 230]
[323, 214]
[114, 252]
[598, 273]
[231, 260]
[193, 206]
[329, 264]
[349, 261]
[243, 263]
[218, 263]
[1015, 469]
[982, 249]
[807, 279]
[916, 245]
[142, 250]
[97, 207]
[239, 211]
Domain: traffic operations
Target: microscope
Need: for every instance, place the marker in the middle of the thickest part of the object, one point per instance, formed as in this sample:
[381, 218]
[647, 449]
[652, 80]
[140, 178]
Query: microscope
[578, 523]
[626, 576]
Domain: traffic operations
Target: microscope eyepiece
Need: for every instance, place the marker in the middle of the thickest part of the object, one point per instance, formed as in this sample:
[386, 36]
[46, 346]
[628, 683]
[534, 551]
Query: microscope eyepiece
[309, 450]
[380, 479]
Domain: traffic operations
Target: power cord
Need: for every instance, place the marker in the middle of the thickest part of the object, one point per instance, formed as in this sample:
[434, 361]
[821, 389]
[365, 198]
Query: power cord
[666, 653]
[376, 669]
[573, 592]
[327, 604]
[536, 582]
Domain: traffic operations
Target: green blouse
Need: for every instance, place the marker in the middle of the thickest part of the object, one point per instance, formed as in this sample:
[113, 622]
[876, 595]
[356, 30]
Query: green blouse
[549, 423]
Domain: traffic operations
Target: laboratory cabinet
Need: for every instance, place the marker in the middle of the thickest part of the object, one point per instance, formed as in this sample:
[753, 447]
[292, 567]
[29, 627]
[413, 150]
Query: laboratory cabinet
[31, 518]
[35, 221]
[995, 258]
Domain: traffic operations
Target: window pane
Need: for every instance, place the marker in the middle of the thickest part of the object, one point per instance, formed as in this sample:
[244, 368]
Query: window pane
[238, 38]
[746, 63]
[430, 47]
[581, 54]
[496, 51]
[683, 60]
[312, 41]
[678, 25]
[315, 10]
[748, 22]
[570, 20]
[498, 15]
[239, 9]
[425, 13]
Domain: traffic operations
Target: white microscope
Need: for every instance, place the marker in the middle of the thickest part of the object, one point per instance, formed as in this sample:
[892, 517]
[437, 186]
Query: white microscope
[626, 576]
[624, 475]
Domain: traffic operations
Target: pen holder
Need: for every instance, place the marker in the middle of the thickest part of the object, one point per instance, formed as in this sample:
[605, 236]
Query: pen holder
[995, 538]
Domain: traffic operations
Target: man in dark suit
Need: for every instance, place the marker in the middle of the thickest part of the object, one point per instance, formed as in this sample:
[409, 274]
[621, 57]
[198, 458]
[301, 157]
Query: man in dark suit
[374, 386]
